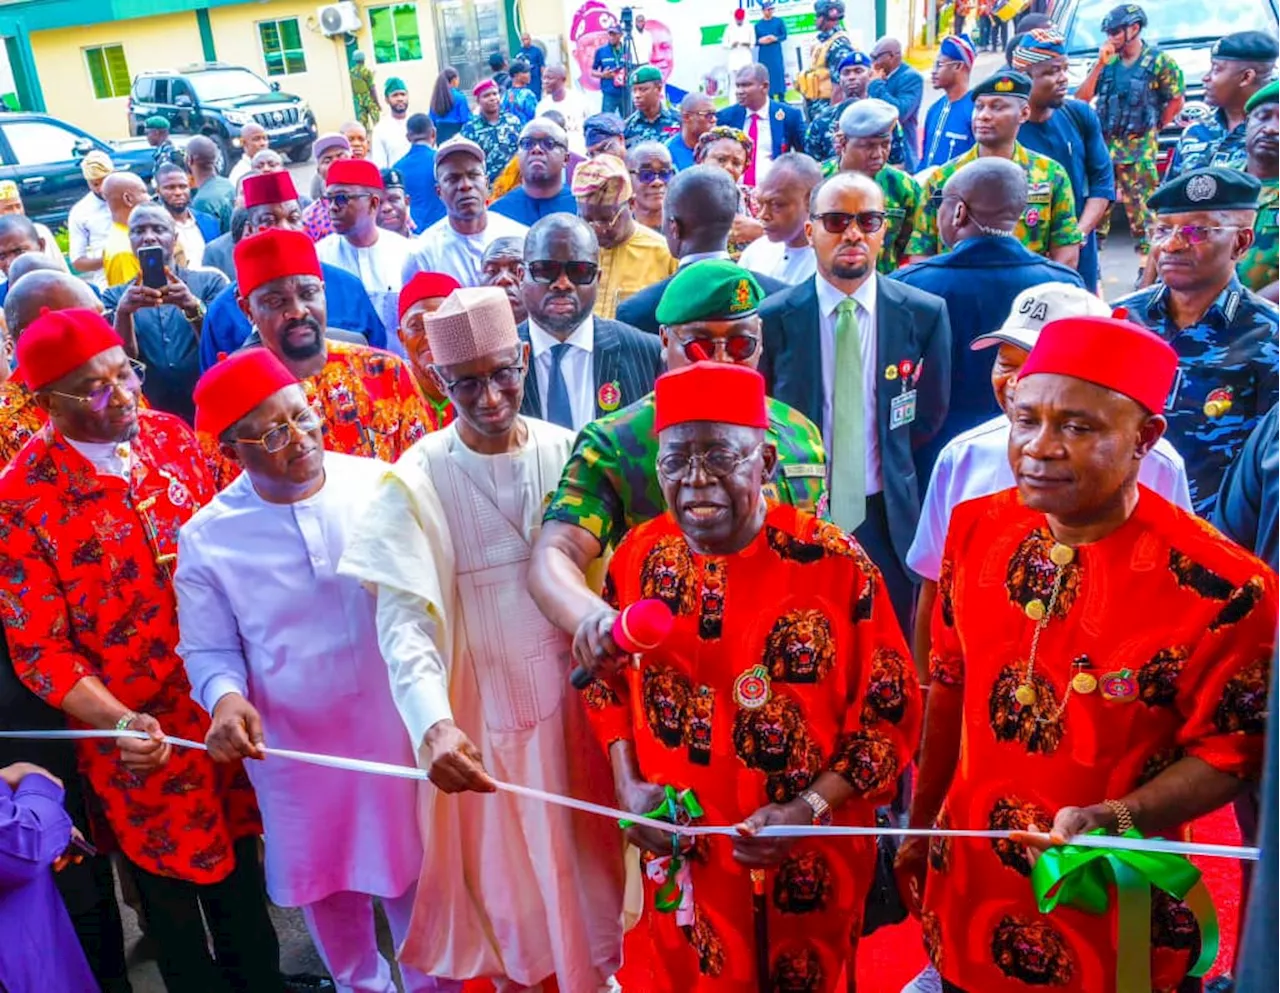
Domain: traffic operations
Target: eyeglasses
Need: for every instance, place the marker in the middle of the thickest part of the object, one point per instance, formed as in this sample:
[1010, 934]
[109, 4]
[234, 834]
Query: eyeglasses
[1192, 234]
[946, 63]
[341, 200]
[653, 175]
[837, 222]
[98, 398]
[547, 144]
[734, 347]
[717, 463]
[278, 438]
[469, 388]
[549, 271]
[706, 115]
[597, 223]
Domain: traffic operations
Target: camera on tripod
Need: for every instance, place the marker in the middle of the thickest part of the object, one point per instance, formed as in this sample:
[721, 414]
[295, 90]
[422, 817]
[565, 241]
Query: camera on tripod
[627, 19]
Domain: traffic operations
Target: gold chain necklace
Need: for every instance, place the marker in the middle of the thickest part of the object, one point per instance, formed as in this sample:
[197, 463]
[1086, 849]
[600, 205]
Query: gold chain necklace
[1062, 556]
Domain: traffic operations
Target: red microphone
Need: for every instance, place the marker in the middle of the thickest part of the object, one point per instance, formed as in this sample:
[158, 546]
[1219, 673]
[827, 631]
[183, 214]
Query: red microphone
[640, 627]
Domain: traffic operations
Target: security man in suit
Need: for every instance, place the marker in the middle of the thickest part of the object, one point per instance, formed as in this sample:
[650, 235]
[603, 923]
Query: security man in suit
[869, 360]
[753, 112]
[581, 366]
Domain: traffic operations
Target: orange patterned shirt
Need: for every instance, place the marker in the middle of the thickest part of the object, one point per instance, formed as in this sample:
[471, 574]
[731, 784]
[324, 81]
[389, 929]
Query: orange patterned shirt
[1175, 625]
[20, 418]
[810, 608]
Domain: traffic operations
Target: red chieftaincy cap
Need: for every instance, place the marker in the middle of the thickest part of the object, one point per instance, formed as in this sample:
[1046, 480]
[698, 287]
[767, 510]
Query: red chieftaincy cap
[354, 172]
[710, 391]
[232, 388]
[61, 341]
[426, 286]
[1107, 351]
[267, 187]
[274, 253]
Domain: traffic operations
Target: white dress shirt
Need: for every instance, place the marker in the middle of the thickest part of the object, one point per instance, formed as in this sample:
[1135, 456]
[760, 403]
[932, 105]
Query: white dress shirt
[189, 237]
[780, 261]
[764, 140]
[389, 142]
[442, 249]
[380, 268]
[976, 464]
[693, 257]
[828, 300]
[576, 368]
[574, 110]
[88, 225]
[109, 458]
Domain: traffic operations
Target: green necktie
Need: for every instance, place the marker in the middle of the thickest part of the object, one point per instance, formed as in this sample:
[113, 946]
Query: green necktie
[848, 440]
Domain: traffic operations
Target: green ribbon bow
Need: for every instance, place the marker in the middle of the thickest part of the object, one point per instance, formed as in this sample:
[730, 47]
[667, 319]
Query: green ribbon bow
[679, 808]
[1080, 877]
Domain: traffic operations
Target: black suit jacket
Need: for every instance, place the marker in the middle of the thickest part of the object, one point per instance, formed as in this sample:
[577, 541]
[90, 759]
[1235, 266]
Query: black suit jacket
[910, 325]
[620, 354]
[641, 309]
[786, 132]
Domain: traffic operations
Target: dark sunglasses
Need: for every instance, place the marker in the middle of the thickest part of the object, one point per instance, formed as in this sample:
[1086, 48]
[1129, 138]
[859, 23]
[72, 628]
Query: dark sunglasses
[837, 222]
[340, 200]
[736, 347]
[547, 144]
[548, 271]
[652, 175]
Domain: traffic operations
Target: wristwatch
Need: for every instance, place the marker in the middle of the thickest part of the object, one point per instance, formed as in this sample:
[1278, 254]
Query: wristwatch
[197, 313]
[818, 804]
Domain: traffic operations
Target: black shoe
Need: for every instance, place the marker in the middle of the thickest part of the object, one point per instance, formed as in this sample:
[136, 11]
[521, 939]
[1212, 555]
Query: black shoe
[305, 982]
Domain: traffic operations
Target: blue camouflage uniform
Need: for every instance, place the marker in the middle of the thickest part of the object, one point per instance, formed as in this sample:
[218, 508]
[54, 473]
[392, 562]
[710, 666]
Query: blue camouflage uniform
[1209, 143]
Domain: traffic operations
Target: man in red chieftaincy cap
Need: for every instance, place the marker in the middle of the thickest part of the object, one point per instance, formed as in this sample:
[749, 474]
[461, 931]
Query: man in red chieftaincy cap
[1101, 660]
[370, 404]
[91, 507]
[422, 295]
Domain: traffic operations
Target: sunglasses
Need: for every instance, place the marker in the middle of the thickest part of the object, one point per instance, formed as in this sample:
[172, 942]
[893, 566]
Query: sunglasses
[277, 438]
[1192, 234]
[837, 222]
[341, 200]
[98, 398]
[470, 388]
[653, 175]
[549, 271]
[734, 347]
[547, 144]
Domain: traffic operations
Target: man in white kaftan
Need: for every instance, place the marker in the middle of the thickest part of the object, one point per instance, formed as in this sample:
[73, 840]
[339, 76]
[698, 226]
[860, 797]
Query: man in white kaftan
[511, 888]
[283, 652]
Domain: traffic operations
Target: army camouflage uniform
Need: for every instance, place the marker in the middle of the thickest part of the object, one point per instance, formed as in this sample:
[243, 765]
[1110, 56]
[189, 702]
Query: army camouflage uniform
[498, 140]
[820, 137]
[363, 93]
[1134, 154]
[902, 198]
[1228, 364]
[639, 128]
[1209, 143]
[1048, 222]
[610, 483]
[1258, 267]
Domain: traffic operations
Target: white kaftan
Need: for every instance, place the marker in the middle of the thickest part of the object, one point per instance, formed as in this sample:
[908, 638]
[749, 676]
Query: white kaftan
[380, 268]
[263, 612]
[509, 887]
[442, 249]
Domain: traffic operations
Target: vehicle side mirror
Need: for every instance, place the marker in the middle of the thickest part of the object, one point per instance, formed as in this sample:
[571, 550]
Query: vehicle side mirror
[82, 146]
[275, 86]
[182, 100]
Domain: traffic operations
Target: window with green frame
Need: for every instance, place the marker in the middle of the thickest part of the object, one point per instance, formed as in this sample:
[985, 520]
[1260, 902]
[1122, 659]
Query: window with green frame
[282, 47]
[395, 33]
[108, 71]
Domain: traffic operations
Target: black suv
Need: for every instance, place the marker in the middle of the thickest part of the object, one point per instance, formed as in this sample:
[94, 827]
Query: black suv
[217, 99]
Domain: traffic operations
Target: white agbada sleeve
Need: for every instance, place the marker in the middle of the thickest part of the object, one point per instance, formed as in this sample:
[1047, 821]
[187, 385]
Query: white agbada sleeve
[209, 637]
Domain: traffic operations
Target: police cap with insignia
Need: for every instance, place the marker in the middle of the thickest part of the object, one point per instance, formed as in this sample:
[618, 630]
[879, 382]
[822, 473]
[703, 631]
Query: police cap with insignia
[1005, 83]
[646, 74]
[710, 290]
[854, 58]
[1268, 94]
[1206, 189]
[865, 118]
[1245, 46]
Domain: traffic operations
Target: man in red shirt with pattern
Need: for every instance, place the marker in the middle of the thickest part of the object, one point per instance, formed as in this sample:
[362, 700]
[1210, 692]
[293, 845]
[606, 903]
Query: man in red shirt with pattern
[90, 509]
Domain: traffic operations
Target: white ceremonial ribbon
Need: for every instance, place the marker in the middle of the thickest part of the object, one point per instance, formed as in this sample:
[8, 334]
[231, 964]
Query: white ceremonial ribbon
[691, 830]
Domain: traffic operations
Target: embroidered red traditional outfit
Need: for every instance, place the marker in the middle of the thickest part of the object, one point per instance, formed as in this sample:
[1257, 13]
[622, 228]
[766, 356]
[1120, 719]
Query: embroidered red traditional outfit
[20, 418]
[810, 608]
[85, 590]
[1175, 628]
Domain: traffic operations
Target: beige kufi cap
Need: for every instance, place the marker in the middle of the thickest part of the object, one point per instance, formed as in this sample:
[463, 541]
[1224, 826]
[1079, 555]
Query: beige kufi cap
[471, 323]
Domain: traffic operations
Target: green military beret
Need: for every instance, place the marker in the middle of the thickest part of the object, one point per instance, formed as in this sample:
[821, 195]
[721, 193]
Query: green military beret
[394, 85]
[710, 290]
[1268, 94]
[1245, 46]
[1005, 83]
[156, 123]
[646, 74]
[1206, 189]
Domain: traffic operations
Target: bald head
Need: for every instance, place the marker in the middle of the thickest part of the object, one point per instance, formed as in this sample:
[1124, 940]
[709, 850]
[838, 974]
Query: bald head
[30, 262]
[562, 229]
[698, 214]
[841, 184]
[993, 194]
[45, 290]
[887, 46]
[123, 191]
[201, 151]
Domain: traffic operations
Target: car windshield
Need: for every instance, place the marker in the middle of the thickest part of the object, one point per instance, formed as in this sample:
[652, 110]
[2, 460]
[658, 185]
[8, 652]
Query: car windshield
[226, 84]
[1172, 21]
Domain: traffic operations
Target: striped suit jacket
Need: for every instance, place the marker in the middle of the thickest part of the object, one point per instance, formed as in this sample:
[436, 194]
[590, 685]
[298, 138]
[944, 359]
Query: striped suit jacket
[623, 358]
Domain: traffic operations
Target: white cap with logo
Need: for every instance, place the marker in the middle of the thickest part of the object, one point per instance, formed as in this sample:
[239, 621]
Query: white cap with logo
[1035, 307]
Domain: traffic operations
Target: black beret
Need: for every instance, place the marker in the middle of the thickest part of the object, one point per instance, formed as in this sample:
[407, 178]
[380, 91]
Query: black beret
[1005, 83]
[1206, 189]
[1246, 46]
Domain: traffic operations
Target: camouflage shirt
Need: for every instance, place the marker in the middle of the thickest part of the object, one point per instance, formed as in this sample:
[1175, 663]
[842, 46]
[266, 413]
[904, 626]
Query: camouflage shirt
[1209, 143]
[498, 140]
[1258, 266]
[639, 128]
[1048, 222]
[820, 137]
[610, 483]
[902, 197]
[1166, 86]
[1229, 356]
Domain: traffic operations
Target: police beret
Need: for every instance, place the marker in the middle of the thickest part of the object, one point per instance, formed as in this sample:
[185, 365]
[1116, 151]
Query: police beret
[864, 118]
[710, 290]
[1268, 94]
[598, 127]
[156, 123]
[1005, 83]
[1206, 189]
[647, 74]
[854, 58]
[392, 179]
[1246, 46]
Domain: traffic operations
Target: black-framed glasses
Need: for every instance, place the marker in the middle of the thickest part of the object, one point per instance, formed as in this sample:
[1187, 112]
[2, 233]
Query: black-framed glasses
[341, 200]
[546, 143]
[277, 438]
[98, 398]
[716, 463]
[1192, 234]
[734, 347]
[653, 175]
[469, 388]
[837, 222]
[548, 271]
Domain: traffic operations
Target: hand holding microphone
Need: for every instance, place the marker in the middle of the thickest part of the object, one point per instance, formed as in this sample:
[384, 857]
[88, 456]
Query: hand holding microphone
[608, 636]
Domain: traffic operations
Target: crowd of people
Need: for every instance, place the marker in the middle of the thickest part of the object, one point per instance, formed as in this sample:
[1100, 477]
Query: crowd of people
[370, 469]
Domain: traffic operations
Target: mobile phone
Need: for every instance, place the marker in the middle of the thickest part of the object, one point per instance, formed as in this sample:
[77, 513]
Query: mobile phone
[78, 846]
[151, 259]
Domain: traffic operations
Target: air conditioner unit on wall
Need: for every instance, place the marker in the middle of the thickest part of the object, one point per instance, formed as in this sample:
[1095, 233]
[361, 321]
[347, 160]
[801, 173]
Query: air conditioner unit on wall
[339, 18]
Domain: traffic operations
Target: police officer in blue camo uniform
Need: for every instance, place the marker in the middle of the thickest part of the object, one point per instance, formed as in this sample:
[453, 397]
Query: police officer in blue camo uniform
[1225, 335]
[1242, 64]
[851, 80]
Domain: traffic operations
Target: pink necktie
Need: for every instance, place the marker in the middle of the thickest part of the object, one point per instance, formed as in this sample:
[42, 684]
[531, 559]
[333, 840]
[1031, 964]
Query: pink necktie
[753, 132]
